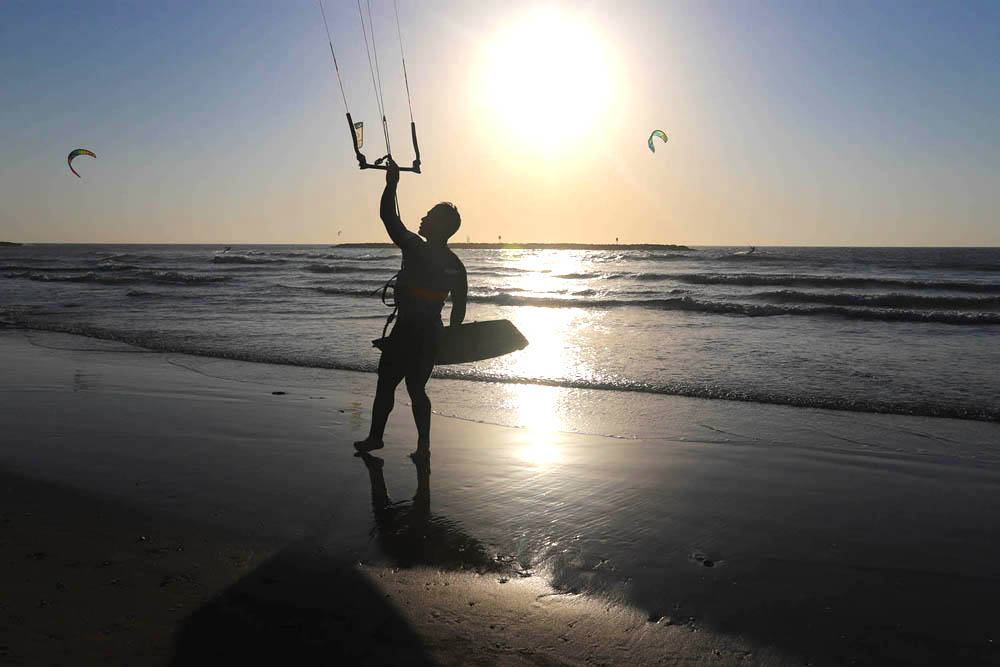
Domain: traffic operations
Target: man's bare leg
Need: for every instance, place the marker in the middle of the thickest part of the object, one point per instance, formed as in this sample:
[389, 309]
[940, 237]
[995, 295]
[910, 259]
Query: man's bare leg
[416, 384]
[385, 398]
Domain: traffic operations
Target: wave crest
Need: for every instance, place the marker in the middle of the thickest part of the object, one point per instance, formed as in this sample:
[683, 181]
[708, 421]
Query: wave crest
[246, 259]
[143, 276]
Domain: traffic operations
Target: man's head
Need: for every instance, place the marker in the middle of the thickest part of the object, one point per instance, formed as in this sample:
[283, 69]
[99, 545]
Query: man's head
[440, 222]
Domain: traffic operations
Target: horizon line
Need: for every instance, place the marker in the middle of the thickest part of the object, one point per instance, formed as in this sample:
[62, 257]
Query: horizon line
[483, 244]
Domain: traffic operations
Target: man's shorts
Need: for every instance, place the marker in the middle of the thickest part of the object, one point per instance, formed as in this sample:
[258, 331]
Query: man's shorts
[411, 347]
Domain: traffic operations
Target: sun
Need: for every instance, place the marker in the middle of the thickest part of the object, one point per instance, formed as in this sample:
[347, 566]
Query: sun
[546, 81]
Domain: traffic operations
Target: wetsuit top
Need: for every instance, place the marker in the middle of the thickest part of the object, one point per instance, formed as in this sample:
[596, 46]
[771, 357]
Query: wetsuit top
[428, 274]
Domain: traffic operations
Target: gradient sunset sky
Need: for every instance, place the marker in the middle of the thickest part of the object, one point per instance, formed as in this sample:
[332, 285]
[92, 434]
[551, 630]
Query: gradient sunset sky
[803, 123]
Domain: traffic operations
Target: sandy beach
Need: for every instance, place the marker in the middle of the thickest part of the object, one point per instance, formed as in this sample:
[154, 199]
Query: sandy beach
[166, 509]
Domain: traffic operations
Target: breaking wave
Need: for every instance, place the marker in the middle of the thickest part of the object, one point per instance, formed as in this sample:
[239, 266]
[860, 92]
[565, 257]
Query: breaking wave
[142, 276]
[247, 259]
[689, 304]
[894, 300]
[765, 279]
[342, 268]
[856, 311]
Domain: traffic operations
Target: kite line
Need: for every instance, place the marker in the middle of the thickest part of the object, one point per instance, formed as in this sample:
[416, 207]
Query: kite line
[330, 42]
[371, 50]
[402, 56]
[376, 74]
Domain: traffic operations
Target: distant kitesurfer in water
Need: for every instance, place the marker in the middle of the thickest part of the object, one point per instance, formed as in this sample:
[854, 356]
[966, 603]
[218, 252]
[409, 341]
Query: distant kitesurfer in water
[430, 272]
[752, 250]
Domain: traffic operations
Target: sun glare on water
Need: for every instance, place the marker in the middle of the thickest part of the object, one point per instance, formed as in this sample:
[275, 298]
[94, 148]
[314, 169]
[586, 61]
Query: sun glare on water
[539, 414]
[540, 410]
[546, 81]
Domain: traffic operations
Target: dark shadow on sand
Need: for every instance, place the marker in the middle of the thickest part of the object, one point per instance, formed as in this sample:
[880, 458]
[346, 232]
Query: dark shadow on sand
[300, 607]
[307, 606]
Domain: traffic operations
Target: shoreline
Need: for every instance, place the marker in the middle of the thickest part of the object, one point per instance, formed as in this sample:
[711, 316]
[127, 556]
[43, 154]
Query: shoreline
[741, 534]
[965, 414]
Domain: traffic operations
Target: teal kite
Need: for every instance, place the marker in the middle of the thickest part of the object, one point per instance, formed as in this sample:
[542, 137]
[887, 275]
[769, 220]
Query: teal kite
[73, 154]
[656, 133]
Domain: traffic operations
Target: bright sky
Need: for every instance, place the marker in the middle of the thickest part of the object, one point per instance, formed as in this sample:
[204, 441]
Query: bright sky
[805, 123]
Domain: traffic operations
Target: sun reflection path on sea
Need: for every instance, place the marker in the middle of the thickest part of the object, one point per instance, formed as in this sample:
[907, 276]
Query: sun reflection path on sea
[542, 270]
[554, 353]
[551, 353]
[541, 419]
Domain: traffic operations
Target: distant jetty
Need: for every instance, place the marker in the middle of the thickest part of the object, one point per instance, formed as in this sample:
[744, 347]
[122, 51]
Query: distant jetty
[539, 246]
[10, 243]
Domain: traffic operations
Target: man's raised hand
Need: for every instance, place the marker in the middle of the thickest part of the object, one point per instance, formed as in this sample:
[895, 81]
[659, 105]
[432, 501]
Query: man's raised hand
[391, 172]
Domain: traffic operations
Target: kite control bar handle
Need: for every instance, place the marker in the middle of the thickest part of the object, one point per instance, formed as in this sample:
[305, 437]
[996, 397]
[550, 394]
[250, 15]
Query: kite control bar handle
[363, 161]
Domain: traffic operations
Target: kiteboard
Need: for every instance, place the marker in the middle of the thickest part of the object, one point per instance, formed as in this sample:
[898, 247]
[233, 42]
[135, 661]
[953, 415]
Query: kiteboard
[475, 341]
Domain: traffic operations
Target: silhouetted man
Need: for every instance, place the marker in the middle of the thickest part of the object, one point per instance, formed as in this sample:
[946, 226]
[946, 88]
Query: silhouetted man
[430, 272]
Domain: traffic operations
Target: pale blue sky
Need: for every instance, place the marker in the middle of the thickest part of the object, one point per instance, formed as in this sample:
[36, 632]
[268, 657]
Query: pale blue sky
[849, 123]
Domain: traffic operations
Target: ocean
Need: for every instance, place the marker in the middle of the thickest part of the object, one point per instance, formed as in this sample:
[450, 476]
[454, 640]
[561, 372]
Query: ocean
[911, 331]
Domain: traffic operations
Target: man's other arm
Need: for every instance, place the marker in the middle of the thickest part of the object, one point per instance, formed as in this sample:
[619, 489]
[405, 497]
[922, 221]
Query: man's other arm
[459, 295]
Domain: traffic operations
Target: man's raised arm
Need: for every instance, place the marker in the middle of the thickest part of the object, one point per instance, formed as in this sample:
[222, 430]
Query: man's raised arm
[391, 220]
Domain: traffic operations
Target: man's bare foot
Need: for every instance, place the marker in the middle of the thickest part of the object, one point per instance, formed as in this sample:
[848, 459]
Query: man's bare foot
[368, 444]
[423, 451]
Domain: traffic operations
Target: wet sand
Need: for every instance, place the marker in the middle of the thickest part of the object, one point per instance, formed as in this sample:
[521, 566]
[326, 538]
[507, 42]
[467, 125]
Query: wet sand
[154, 514]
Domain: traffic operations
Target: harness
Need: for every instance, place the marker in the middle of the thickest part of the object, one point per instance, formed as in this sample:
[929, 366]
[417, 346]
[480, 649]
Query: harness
[389, 301]
[389, 285]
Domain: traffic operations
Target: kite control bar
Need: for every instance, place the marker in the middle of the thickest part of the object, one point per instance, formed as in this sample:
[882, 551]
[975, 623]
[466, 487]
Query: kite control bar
[378, 164]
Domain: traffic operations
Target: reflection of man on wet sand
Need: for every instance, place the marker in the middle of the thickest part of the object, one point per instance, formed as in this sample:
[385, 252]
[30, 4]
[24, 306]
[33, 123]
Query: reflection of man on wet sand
[430, 272]
[410, 535]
